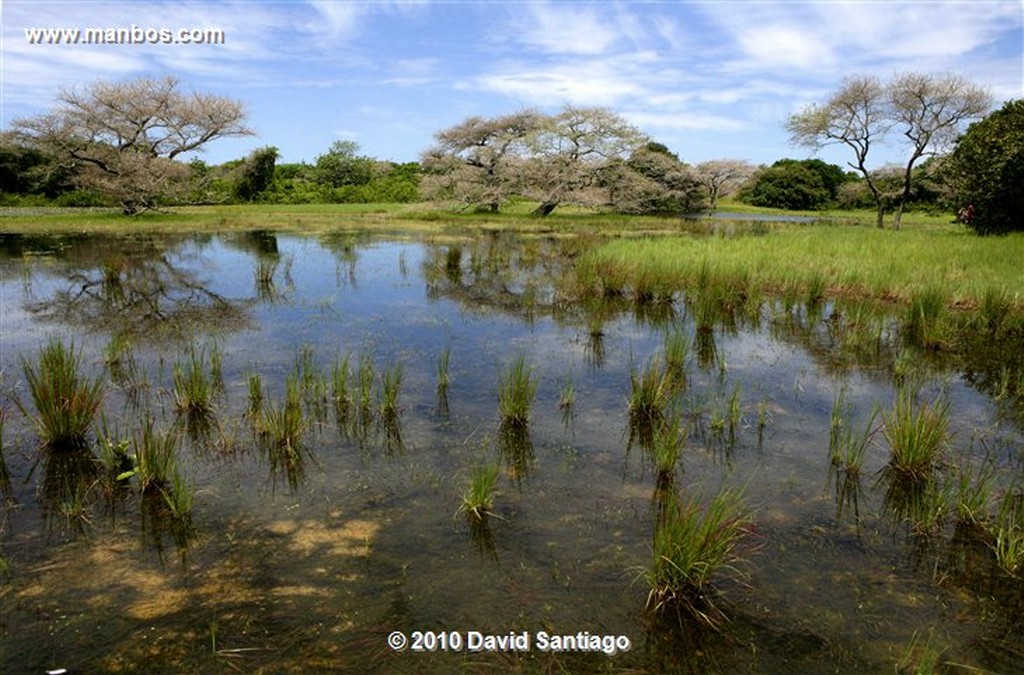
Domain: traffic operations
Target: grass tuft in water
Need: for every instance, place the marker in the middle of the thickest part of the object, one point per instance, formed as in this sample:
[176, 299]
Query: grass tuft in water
[925, 323]
[391, 387]
[649, 394]
[666, 448]
[517, 389]
[478, 499]
[255, 408]
[917, 434]
[66, 402]
[442, 369]
[156, 457]
[677, 351]
[194, 390]
[847, 449]
[692, 547]
[364, 385]
[1008, 534]
[283, 427]
[340, 393]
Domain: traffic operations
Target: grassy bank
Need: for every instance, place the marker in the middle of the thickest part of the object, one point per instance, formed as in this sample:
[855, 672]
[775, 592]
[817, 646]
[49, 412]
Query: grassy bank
[842, 260]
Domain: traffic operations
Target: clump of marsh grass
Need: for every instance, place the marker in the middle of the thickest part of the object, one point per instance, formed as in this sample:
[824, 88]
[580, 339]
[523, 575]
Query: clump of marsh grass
[925, 323]
[442, 369]
[650, 391]
[255, 407]
[974, 494]
[478, 498]
[847, 448]
[66, 401]
[917, 434]
[517, 388]
[692, 547]
[283, 427]
[156, 457]
[677, 351]
[920, 657]
[194, 389]
[567, 397]
[364, 385]
[340, 393]
[666, 448]
[391, 387]
[1008, 534]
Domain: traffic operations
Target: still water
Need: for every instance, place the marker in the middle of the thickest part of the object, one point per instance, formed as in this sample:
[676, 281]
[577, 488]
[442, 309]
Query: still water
[315, 566]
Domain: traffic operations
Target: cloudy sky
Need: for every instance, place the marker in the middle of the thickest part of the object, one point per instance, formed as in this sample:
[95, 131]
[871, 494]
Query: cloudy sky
[708, 79]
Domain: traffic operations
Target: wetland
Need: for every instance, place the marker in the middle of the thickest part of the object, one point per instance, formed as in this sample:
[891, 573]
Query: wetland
[306, 442]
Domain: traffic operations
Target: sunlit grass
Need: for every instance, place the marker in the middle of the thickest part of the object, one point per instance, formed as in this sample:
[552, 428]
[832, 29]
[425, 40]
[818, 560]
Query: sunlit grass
[66, 401]
[194, 389]
[694, 545]
[917, 433]
[650, 392]
[478, 498]
[156, 456]
[517, 388]
[391, 387]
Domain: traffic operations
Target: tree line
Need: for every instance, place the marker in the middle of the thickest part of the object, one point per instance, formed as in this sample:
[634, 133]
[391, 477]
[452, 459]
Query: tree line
[123, 144]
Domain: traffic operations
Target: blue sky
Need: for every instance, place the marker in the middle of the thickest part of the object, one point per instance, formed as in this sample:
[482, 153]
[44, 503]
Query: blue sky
[709, 79]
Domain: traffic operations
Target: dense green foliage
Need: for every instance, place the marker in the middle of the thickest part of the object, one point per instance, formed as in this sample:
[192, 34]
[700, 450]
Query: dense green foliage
[987, 172]
[804, 185]
[256, 174]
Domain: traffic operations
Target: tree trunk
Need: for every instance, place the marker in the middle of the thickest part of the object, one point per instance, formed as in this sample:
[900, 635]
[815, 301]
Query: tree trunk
[881, 215]
[896, 215]
[544, 209]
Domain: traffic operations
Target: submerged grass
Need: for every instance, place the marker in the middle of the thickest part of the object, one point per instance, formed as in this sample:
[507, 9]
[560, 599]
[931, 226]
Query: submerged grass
[194, 389]
[650, 392]
[693, 546]
[156, 457]
[66, 401]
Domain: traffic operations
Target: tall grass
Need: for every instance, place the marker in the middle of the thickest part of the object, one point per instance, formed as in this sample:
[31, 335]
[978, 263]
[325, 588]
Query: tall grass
[255, 384]
[340, 392]
[677, 351]
[650, 392]
[391, 387]
[692, 547]
[194, 389]
[847, 448]
[517, 388]
[925, 323]
[917, 434]
[666, 448]
[283, 428]
[1008, 534]
[443, 361]
[66, 401]
[156, 457]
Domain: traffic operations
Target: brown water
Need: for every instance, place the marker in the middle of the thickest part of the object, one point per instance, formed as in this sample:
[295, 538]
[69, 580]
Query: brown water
[312, 571]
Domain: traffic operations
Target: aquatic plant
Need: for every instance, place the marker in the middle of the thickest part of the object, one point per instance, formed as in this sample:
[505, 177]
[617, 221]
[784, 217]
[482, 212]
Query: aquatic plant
[255, 408]
[650, 392]
[692, 546]
[677, 351]
[735, 412]
[364, 384]
[974, 493]
[66, 401]
[517, 388]
[1008, 533]
[478, 498]
[666, 448]
[180, 498]
[156, 456]
[391, 387]
[567, 397]
[283, 425]
[340, 393]
[847, 449]
[920, 658]
[193, 390]
[442, 368]
[917, 433]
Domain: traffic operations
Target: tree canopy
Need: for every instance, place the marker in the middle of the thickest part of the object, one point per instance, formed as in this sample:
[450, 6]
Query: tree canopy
[122, 139]
[986, 170]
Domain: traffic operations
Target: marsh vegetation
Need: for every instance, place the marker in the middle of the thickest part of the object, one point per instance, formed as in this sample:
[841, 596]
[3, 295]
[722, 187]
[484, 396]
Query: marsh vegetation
[664, 439]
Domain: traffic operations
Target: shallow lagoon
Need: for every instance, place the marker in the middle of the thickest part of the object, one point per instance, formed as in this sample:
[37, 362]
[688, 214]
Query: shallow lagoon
[311, 569]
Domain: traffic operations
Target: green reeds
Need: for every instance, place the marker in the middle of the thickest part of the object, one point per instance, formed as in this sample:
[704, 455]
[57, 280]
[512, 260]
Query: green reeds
[567, 397]
[650, 392]
[255, 408]
[925, 323]
[66, 401]
[1008, 534]
[283, 425]
[156, 457]
[478, 498]
[847, 448]
[517, 389]
[974, 494]
[194, 389]
[917, 434]
[391, 387]
[364, 385]
[340, 393]
[692, 546]
[666, 448]
[442, 368]
[677, 351]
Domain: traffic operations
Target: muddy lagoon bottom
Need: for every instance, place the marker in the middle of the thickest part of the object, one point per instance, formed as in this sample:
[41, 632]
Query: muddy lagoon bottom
[323, 408]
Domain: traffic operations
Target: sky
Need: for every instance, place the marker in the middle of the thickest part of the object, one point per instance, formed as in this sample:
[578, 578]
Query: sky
[711, 80]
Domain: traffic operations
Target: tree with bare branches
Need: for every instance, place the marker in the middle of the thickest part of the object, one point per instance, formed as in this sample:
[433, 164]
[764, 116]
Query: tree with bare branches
[124, 139]
[721, 177]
